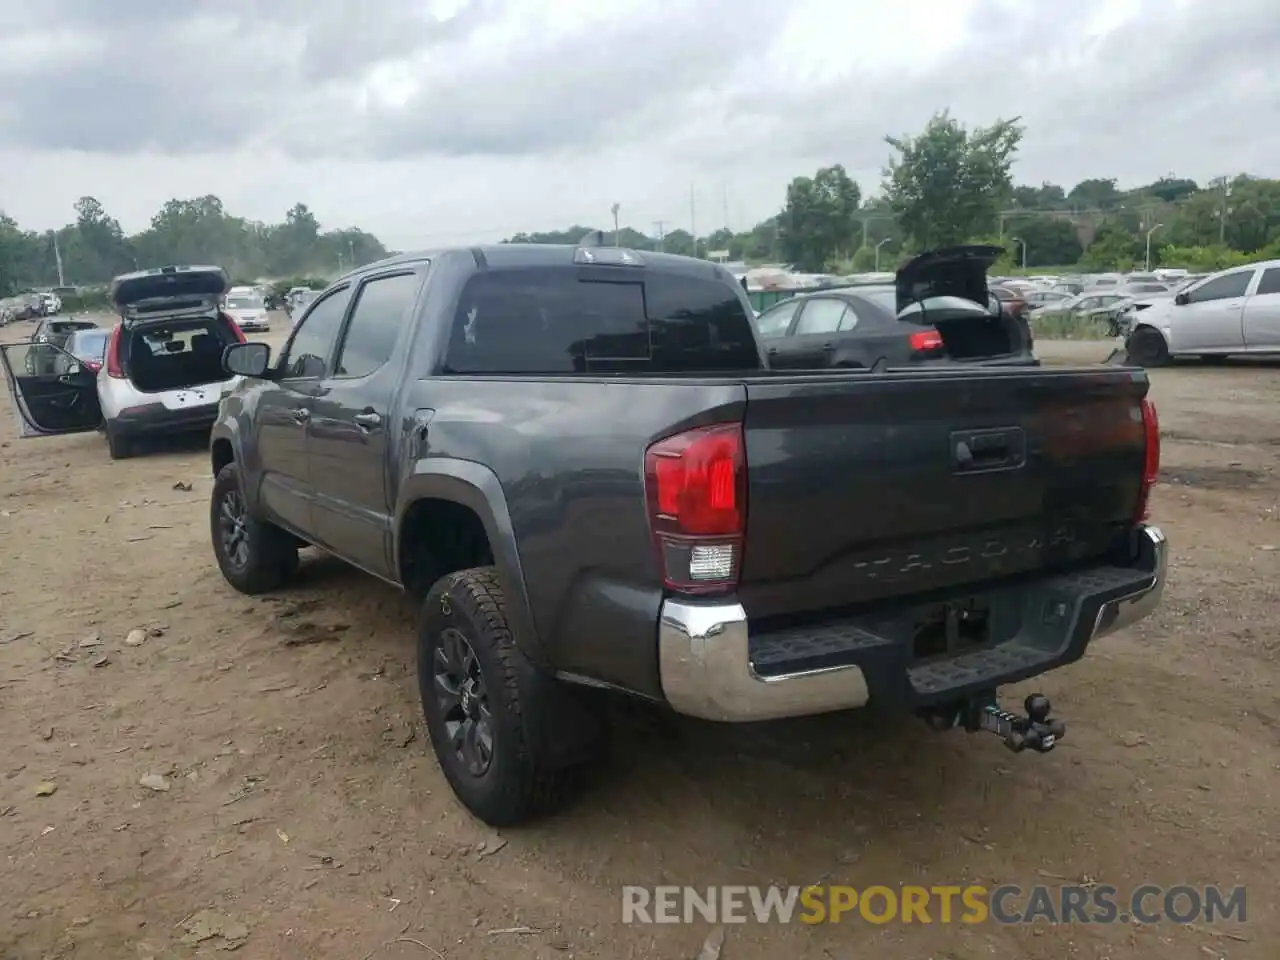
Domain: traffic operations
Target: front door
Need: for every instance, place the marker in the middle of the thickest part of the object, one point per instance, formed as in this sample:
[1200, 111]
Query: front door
[52, 392]
[351, 422]
[1212, 318]
[286, 407]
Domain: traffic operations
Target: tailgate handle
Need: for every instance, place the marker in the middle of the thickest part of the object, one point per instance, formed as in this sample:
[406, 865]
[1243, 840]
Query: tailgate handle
[981, 451]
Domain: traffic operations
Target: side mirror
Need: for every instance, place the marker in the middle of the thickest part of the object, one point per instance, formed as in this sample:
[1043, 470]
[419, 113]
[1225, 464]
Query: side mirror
[1182, 299]
[246, 359]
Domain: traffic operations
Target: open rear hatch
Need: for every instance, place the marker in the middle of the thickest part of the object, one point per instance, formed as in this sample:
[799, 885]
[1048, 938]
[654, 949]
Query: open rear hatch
[170, 291]
[947, 289]
[866, 488]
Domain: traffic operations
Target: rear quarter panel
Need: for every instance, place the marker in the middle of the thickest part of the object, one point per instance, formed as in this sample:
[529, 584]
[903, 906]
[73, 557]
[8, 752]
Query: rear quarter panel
[569, 455]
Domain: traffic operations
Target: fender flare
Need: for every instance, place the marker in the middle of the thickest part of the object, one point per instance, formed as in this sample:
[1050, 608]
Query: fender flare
[475, 486]
[228, 431]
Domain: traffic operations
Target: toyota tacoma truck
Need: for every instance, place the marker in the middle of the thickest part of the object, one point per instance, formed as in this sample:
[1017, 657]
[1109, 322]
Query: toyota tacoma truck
[579, 460]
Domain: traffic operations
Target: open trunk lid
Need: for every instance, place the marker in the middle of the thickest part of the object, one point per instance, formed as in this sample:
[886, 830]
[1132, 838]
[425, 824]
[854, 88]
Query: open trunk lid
[869, 487]
[169, 291]
[947, 289]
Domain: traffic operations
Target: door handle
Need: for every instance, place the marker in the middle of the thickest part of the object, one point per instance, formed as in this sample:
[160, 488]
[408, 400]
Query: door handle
[368, 421]
[301, 415]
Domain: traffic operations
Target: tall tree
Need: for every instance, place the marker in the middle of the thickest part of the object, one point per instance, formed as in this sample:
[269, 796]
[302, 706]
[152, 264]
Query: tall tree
[1095, 194]
[948, 184]
[818, 222]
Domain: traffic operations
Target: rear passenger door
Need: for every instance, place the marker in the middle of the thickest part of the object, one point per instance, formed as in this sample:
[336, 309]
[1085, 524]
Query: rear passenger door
[351, 428]
[812, 341]
[285, 407]
[1262, 313]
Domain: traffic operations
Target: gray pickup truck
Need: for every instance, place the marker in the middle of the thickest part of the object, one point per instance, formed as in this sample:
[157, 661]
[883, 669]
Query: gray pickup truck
[579, 460]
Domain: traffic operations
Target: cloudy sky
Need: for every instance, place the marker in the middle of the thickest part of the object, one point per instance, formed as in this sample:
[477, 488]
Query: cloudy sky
[435, 121]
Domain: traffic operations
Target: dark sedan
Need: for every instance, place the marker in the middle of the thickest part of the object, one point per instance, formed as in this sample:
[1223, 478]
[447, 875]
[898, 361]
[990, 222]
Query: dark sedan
[844, 328]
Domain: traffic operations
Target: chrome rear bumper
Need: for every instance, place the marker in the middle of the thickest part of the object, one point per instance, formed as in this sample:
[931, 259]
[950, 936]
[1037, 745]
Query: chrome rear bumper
[706, 668]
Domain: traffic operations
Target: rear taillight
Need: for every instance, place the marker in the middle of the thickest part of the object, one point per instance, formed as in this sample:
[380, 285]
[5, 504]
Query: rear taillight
[114, 368]
[93, 365]
[696, 490]
[1151, 460]
[235, 328]
[925, 341]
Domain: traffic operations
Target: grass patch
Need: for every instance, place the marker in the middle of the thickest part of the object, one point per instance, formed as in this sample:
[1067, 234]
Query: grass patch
[1063, 327]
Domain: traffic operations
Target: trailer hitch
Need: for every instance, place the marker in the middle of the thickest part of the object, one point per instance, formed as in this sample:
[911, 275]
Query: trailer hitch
[1034, 731]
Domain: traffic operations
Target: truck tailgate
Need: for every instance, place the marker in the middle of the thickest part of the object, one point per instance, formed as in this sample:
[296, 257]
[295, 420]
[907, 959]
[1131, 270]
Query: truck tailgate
[869, 487]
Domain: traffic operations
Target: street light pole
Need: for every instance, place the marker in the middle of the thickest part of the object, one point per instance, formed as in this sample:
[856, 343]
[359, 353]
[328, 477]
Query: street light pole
[1024, 250]
[878, 246]
[1149, 233]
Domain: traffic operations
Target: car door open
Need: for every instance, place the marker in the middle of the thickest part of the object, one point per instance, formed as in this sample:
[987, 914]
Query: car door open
[52, 391]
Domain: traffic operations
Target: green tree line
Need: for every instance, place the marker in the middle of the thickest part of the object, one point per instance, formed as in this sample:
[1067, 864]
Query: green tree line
[94, 248]
[949, 184]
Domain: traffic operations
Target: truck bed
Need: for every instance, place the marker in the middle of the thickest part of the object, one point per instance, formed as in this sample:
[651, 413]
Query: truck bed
[853, 498]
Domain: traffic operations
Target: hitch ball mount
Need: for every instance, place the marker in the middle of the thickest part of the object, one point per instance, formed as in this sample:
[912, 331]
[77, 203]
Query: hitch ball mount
[1034, 731]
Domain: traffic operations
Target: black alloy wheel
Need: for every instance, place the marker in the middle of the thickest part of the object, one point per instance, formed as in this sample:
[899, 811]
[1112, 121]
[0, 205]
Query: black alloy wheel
[463, 700]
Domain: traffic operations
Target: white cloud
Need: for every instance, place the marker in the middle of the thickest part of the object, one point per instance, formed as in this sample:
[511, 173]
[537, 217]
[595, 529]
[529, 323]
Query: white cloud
[456, 121]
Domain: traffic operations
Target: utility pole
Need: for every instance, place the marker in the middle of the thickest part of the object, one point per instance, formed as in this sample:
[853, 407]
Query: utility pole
[1024, 250]
[726, 207]
[614, 210]
[693, 219]
[878, 246]
[1223, 210]
[57, 256]
[662, 236]
[1147, 262]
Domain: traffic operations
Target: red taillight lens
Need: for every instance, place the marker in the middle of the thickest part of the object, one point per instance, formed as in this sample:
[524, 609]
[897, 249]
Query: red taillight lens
[696, 488]
[1151, 461]
[235, 328]
[93, 365]
[114, 369]
[925, 341]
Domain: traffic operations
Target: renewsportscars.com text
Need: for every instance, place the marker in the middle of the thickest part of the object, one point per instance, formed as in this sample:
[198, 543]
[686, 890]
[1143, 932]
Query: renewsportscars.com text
[1007, 904]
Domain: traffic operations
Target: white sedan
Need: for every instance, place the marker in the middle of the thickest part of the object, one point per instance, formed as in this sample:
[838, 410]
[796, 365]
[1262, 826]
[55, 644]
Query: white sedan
[1235, 311]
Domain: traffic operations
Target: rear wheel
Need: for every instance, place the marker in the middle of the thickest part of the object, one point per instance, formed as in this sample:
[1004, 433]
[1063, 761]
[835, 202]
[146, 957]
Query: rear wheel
[485, 703]
[254, 555]
[118, 446]
[1147, 348]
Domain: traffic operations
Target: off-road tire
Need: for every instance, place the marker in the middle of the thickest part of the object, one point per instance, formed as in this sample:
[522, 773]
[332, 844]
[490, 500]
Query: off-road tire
[1147, 348]
[118, 447]
[272, 554]
[521, 781]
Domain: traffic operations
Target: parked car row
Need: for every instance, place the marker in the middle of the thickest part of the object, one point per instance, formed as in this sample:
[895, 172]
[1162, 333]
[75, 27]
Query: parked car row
[29, 306]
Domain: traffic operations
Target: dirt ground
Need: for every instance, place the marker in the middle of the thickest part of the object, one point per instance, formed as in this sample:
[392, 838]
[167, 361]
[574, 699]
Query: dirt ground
[303, 815]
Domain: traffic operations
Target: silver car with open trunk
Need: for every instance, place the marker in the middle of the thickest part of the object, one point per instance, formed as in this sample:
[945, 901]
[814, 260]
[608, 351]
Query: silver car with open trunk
[162, 373]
